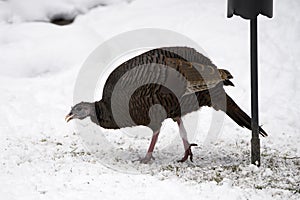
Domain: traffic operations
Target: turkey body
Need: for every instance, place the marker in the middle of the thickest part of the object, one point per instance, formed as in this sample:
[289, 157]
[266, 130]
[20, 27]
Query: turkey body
[165, 83]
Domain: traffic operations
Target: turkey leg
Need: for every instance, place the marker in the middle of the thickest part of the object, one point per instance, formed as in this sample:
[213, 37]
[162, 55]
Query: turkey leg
[186, 144]
[149, 156]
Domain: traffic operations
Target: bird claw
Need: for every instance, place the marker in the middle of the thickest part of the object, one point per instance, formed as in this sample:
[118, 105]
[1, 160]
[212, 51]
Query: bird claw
[188, 153]
[146, 159]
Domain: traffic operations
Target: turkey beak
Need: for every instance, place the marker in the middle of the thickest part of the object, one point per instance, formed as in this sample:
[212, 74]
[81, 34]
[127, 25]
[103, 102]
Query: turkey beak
[69, 117]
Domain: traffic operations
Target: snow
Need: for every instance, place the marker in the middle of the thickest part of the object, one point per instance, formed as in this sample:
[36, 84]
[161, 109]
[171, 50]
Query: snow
[42, 157]
[14, 11]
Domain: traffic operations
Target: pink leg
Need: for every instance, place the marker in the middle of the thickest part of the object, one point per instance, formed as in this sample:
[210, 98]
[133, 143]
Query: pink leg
[148, 156]
[186, 144]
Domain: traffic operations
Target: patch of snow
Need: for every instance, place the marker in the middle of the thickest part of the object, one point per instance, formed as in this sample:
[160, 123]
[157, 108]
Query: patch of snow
[14, 11]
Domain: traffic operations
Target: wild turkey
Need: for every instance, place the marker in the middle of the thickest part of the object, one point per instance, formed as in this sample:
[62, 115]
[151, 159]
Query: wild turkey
[162, 83]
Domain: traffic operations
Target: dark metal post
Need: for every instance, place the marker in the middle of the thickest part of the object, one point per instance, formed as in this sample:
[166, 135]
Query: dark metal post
[255, 143]
[250, 9]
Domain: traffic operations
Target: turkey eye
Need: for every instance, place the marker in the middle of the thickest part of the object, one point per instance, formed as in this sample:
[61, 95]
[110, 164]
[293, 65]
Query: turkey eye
[78, 109]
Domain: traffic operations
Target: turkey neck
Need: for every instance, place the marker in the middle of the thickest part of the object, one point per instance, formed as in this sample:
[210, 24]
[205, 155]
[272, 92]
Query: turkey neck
[103, 116]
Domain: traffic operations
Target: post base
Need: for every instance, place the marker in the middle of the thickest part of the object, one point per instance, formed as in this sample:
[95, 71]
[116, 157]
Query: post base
[255, 151]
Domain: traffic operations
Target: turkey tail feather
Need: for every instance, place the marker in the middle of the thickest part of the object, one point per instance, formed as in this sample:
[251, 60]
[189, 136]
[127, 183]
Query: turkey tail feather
[239, 116]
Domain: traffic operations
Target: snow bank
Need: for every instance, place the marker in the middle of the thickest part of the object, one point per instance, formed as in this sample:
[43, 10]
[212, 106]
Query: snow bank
[13, 11]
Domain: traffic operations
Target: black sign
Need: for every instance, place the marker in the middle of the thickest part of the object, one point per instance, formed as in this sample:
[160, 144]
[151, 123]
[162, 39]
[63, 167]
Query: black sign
[249, 9]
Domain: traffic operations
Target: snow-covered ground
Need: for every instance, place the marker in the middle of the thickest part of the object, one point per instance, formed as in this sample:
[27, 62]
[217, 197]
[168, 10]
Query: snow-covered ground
[42, 157]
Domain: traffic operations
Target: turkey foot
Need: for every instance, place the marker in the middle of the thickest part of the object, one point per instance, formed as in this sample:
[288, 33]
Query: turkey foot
[188, 152]
[146, 159]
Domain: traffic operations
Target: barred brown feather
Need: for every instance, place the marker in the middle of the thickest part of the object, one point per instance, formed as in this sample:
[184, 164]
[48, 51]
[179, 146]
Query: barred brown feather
[198, 76]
